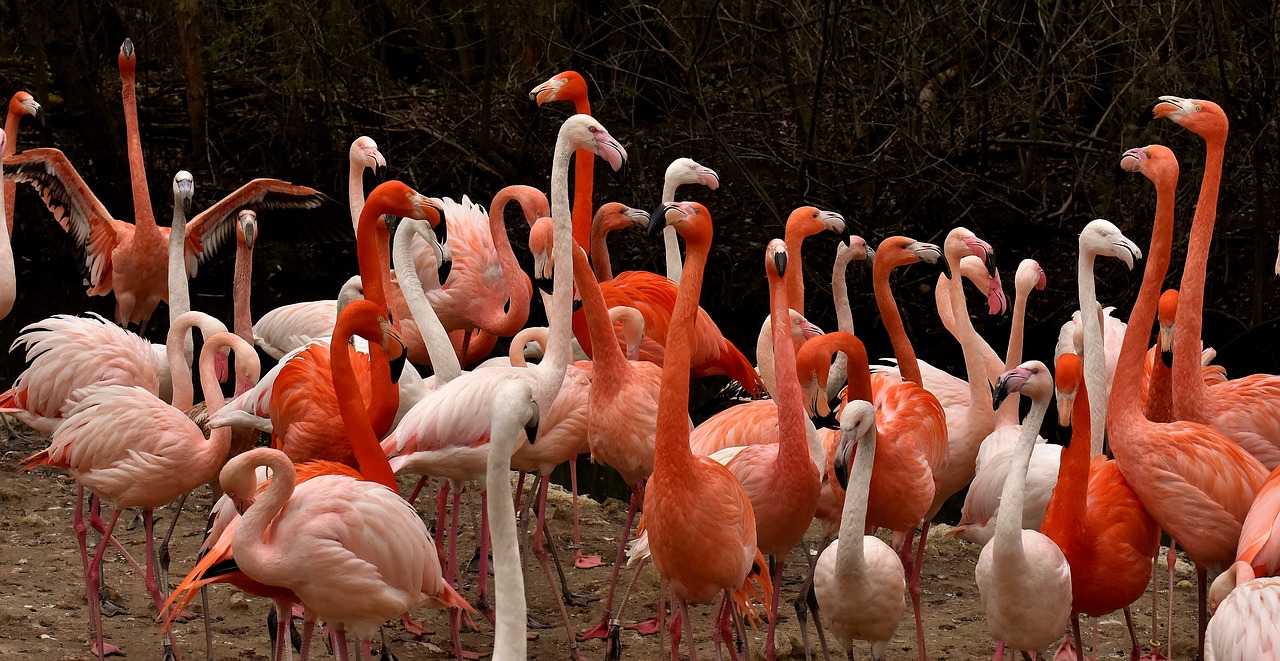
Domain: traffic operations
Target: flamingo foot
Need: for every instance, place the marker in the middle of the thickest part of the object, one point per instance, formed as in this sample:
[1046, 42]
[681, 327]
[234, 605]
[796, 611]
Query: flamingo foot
[530, 636]
[110, 608]
[181, 617]
[578, 600]
[413, 627]
[106, 650]
[597, 632]
[1067, 651]
[472, 656]
[645, 628]
[586, 561]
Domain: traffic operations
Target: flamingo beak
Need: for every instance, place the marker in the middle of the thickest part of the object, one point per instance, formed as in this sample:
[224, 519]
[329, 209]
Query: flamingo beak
[780, 261]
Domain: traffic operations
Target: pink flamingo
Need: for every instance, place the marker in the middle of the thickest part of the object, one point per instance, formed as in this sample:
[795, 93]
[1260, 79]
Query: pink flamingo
[291, 326]
[134, 450]
[1195, 482]
[803, 223]
[363, 155]
[1246, 410]
[860, 584]
[1244, 625]
[1019, 566]
[8, 276]
[20, 104]
[1157, 384]
[708, 549]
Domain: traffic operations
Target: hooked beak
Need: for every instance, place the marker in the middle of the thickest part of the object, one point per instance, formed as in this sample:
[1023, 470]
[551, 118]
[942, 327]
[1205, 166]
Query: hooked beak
[658, 220]
[397, 363]
[1008, 383]
[997, 302]
[442, 271]
[637, 216]
[1166, 345]
[1131, 160]
[928, 252]
[832, 221]
[1065, 402]
[709, 177]
[1130, 252]
[546, 91]
[610, 150]
[34, 109]
[780, 261]
[1163, 107]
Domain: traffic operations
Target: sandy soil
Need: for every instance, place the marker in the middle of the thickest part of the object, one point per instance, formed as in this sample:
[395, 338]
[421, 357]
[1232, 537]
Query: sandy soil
[42, 612]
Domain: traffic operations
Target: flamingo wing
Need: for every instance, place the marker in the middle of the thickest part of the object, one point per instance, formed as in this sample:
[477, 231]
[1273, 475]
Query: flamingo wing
[73, 205]
[212, 227]
[1260, 535]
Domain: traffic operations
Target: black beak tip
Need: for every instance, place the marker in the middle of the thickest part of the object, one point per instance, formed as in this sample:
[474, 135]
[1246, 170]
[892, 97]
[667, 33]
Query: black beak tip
[1166, 357]
[397, 365]
[991, 266]
[442, 229]
[780, 261]
[577, 304]
[531, 431]
[543, 285]
[392, 222]
[444, 269]
[946, 268]
[998, 394]
[842, 474]
[657, 221]
[1148, 115]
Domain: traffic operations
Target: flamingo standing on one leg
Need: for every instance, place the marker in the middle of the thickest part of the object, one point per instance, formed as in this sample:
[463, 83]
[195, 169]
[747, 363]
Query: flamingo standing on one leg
[134, 450]
[1020, 566]
[860, 584]
[20, 104]
[1247, 410]
[1195, 482]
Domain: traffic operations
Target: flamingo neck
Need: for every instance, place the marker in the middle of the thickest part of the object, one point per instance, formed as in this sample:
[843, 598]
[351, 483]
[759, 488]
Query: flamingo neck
[794, 277]
[443, 359]
[601, 265]
[1124, 405]
[1008, 537]
[670, 239]
[372, 241]
[519, 289]
[792, 457]
[241, 287]
[11, 122]
[355, 193]
[560, 311]
[850, 554]
[253, 546]
[371, 461]
[214, 452]
[971, 344]
[1095, 357]
[1190, 394]
[584, 179]
[8, 276]
[179, 297]
[509, 641]
[1066, 512]
[902, 349]
[671, 456]
[1008, 412]
[840, 292]
[144, 220]
[180, 361]
[611, 367]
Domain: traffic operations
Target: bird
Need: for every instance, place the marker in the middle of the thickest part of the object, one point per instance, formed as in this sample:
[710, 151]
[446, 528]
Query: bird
[132, 449]
[780, 479]
[21, 103]
[860, 584]
[1095, 518]
[701, 528]
[1244, 625]
[362, 155]
[1018, 567]
[291, 326]
[611, 217]
[1195, 482]
[514, 409]
[803, 223]
[8, 276]
[975, 271]
[571, 86]
[1247, 410]
[1157, 384]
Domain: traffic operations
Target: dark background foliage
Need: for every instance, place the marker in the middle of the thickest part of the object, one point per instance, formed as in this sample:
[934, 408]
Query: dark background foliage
[911, 117]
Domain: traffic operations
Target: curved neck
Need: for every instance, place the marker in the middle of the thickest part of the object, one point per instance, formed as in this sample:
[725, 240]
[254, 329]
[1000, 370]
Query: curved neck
[840, 292]
[1008, 538]
[971, 344]
[509, 641]
[671, 454]
[1190, 392]
[1008, 412]
[560, 311]
[143, 218]
[671, 240]
[1070, 496]
[443, 360]
[849, 555]
[180, 362]
[179, 298]
[241, 286]
[611, 367]
[215, 449]
[902, 350]
[1124, 401]
[600, 263]
[372, 239]
[355, 193]
[8, 275]
[1095, 357]
[250, 540]
[790, 400]
[519, 289]
[371, 461]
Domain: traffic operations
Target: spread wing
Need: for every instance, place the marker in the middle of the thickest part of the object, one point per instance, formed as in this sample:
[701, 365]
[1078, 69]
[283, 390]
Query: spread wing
[72, 204]
[211, 228]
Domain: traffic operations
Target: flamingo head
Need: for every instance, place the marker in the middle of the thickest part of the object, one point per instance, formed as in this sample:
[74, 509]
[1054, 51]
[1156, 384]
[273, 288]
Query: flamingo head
[239, 480]
[23, 103]
[540, 239]
[1031, 378]
[691, 220]
[395, 198]
[584, 132]
[925, 252]
[184, 189]
[854, 248]
[1155, 162]
[565, 86]
[960, 242]
[857, 422]
[1102, 237]
[807, 221]
[1239, 573]
[615, 216]
[684, 171]
[801, 328]
[1204, 118]
[1070, 372]
[972, 268]
[775, 258]
[364, 154]
[128, 57]
[247, 227]
[1029, 276]
[1167, 312]
[352, 290]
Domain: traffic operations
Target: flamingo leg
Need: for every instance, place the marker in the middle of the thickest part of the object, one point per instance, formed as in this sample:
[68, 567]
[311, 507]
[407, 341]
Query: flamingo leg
[365, 650]
[1075, 633]
[1172, 559]
[725, 625]
[340, 645]
[914, 587]
[308, 630]
[539, 550]
[999, 651]
[163, 558]
[807, 602]
[1202, 608]
[717, 633]
[770, 652]
[676, 621]
[607, 628]
[98, 647]
[109, 607]
[686, 623]
[417, 489]
[580, 561]
[442, 505]
[482, 598]
[171, 641]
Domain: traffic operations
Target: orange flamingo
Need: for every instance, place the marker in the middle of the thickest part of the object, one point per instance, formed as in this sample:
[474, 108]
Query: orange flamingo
[803, 223]
[1247, 410]
[21, 104]
[134, 450]
[702, 531]
[1195, 482]
[780, 479]
[1095, 517]
[570, 86]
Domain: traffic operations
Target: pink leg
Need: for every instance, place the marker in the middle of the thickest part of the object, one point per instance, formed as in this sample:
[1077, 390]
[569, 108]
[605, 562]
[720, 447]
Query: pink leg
[98, 648]
[283, 650]
[1202, 608]
[453, 539]
[686, 623]
[1172, 559]
[340, 645]
[770, 653]
[153, 589]
[482, 599]
[308, 630]
[676, 621]
[999, 651]
[602, 629]
[725, 626]
[914, 587]
[580, 561]
[519, 492]
[422, 482]
[366, 651]
[541, 552]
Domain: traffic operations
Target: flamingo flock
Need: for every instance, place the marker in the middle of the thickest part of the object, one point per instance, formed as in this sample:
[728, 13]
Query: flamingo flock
[391, 378]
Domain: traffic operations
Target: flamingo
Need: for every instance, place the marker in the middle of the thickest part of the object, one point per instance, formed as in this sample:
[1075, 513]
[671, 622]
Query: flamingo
[129, 259]
[8, 276]
[973, 269]
[780, 479]
[1195, 482]
[570, 86]
[610, 217]
[291, 326]
[1018, 566]
[860, 585]
[1244, 625]
[362, 155]
[1095, 518]
[1247, 410]
[132, 449]
[710, 548]
[513, 409]
[852, 248]
[20, 104]
[803, 223]
[446, 434]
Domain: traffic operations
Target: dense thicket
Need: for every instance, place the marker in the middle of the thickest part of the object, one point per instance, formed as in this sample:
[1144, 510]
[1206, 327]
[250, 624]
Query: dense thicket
[908, 117]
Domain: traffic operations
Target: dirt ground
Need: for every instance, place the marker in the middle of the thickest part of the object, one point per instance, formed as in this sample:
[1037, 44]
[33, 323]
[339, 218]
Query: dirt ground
[42, 611]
